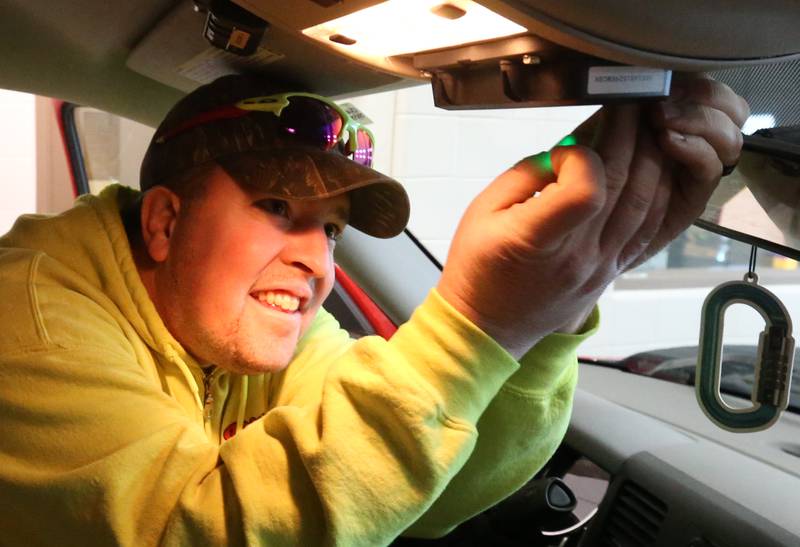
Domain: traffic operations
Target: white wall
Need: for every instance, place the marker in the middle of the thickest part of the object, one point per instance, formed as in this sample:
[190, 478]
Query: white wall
[17, 156]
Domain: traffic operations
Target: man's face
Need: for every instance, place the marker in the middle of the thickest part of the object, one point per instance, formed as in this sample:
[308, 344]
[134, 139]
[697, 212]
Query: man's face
[245, 274]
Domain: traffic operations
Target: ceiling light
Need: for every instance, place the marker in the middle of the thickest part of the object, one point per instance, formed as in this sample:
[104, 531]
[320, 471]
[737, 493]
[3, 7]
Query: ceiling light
[408, 26]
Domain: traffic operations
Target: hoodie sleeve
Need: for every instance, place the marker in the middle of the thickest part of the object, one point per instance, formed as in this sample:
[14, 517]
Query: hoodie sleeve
[93, 451]
[517, 433]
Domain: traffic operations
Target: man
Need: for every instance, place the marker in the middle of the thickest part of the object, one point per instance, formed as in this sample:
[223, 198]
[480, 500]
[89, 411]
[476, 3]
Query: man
[169, 375]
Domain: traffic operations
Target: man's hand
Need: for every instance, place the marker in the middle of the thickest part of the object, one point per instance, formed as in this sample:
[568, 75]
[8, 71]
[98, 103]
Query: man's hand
[523, 266]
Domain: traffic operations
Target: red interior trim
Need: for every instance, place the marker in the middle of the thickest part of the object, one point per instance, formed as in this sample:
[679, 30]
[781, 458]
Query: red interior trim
[58, 107]
[379, 321]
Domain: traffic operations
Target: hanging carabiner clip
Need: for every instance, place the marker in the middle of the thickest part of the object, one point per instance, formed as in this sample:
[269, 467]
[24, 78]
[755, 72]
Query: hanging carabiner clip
[773, 367]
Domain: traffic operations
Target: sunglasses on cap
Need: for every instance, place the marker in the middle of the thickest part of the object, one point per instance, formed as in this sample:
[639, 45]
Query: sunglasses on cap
[304, 117]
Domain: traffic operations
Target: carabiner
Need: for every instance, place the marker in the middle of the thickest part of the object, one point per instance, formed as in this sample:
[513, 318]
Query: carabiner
[770, 395]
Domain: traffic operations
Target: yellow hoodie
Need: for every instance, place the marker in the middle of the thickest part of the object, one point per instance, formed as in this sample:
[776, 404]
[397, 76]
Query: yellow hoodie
[110, 433]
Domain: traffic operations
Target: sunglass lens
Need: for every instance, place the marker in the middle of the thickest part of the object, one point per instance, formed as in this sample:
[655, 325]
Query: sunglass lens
[364, 147]
[312, 122]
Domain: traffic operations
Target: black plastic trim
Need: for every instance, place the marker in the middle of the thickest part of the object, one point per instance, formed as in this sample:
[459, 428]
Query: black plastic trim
[775, 148]
[424, 249]
[748, 239]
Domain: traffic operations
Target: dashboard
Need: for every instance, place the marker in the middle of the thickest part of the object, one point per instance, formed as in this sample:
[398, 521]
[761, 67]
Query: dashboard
[675, 478]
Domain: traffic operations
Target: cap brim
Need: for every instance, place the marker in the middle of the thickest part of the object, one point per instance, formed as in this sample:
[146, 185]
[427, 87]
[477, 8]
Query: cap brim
[379, 205]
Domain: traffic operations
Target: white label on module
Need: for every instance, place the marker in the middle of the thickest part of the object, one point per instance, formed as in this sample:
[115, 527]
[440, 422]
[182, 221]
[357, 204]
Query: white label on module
[628, 80]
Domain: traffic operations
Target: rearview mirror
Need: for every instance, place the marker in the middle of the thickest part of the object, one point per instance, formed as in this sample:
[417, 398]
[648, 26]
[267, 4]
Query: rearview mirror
[759, 203]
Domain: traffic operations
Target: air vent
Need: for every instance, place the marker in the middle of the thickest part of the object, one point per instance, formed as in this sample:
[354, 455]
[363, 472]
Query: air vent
[635, 518]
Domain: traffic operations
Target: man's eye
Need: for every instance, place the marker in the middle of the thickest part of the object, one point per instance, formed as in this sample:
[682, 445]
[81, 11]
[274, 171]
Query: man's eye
[333, 231]
[275, 207]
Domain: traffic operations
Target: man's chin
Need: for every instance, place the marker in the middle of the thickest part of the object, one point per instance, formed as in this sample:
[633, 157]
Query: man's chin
[255, 365]
[255, 349]
[260, 362]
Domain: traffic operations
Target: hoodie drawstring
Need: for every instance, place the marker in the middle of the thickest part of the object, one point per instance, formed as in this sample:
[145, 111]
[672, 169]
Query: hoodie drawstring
[242, 403]
[173, 356]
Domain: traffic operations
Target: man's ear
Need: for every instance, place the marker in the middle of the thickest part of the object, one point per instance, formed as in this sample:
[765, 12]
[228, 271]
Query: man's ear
[160, 207]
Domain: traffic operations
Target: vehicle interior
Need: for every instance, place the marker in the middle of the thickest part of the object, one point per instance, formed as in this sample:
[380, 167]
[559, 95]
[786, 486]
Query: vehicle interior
[643, 463]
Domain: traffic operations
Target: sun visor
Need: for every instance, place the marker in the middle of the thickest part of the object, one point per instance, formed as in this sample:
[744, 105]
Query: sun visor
[680, 34]
[174, 52]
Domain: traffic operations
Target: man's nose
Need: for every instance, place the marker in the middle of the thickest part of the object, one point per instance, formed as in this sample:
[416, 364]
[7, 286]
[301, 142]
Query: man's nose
[309, 249]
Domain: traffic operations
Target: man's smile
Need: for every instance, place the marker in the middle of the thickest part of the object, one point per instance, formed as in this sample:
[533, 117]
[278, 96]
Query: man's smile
[279, 300]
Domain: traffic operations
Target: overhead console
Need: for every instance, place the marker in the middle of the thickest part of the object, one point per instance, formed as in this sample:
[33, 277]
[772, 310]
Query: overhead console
[477, 54]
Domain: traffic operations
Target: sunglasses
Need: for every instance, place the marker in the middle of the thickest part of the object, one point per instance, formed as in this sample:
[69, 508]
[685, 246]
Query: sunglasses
[307, 118]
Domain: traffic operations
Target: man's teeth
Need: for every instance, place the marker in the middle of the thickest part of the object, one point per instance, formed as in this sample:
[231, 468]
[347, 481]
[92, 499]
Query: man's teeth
[284, 301]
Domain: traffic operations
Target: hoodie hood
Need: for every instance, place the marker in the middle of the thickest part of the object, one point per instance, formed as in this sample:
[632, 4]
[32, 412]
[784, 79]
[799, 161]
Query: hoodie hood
[90, 241]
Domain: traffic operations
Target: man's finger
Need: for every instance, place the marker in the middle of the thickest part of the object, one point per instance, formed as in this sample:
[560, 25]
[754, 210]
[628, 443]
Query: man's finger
[690, 194]
[529, 176]
[636, 199]
[698, 158]
[648, 240]
[574, 199]
[702, 89]
[616, 145]
[713, 125]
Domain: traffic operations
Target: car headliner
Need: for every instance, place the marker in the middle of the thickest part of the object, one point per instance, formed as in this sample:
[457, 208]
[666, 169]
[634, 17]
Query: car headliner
[123, 56]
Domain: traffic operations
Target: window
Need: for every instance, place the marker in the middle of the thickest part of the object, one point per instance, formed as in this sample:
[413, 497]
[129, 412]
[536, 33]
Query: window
[112, 147]
[17, 156]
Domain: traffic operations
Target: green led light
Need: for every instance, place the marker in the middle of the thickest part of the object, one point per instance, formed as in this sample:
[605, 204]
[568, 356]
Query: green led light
[569, 140]
[542, 161]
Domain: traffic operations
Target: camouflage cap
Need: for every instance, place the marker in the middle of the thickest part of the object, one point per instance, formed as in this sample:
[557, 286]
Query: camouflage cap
[253, 152]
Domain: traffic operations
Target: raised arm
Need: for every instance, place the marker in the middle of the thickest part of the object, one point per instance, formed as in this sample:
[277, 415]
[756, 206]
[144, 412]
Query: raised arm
[536, 249]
